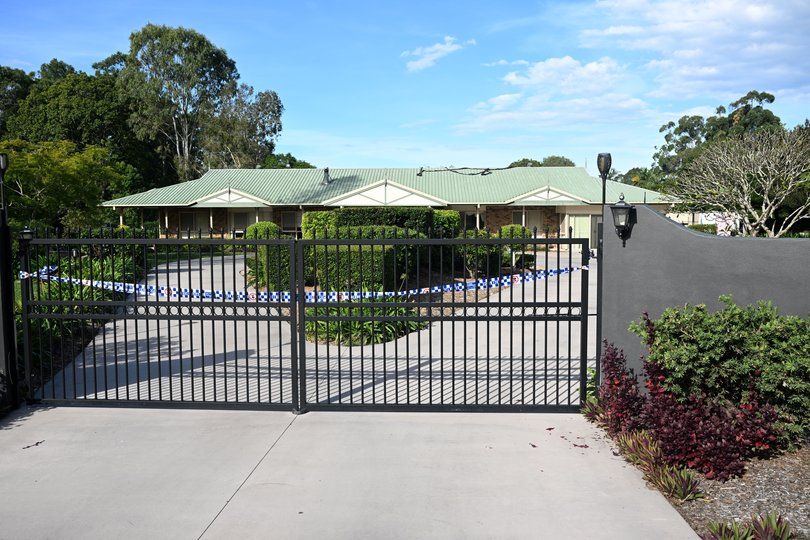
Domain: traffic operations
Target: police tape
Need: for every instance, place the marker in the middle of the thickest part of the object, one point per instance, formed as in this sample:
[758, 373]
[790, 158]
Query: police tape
[47, 274]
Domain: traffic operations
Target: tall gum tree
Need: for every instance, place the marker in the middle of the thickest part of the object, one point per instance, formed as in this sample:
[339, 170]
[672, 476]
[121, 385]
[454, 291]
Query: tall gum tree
[177, 79]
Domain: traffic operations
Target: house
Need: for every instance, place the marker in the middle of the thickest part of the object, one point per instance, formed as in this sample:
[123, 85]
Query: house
[541, 197]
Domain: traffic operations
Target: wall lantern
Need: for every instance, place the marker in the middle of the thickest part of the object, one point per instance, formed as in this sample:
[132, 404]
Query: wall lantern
[26, 235]
[623, 218]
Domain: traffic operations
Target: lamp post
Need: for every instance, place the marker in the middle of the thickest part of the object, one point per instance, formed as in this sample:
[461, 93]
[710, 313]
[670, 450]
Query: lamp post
[603, 163]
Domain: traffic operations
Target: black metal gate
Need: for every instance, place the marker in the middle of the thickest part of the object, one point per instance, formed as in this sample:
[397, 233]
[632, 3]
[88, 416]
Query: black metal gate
[407, 323]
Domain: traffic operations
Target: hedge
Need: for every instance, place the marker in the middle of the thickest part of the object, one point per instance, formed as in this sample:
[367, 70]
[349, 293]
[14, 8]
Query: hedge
[446, 223]
[317, 220]
[356, 268]
[270, 266]
[420, 219]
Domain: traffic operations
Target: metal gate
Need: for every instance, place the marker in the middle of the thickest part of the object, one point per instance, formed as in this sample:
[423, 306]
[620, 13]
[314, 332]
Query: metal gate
[476, 323]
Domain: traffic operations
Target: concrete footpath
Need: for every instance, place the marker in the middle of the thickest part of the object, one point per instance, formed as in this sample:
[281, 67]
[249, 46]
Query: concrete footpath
[101, 473]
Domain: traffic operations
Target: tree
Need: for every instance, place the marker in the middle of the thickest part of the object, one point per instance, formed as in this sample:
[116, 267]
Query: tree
[244, 131]
[177, 80]
[549, 161]
[14, 87]
[752, 177]
[285, 161]
[57, 184]
[557, 161]
[55, 70]
[88, 110]
[686, 139]
[643, 177]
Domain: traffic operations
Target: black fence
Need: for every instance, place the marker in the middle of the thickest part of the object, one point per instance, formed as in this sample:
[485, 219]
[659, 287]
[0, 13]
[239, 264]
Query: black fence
[483, 322]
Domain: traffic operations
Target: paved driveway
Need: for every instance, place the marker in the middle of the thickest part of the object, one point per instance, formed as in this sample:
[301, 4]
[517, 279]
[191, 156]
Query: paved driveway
[87, 473]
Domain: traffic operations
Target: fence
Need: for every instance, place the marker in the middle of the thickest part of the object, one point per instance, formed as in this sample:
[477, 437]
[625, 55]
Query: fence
[403, 323]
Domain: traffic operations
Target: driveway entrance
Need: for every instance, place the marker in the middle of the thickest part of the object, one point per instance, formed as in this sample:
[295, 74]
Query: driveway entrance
[279, 323]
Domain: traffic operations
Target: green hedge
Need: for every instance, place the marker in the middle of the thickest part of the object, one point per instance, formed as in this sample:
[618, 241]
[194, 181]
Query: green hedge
[317, 220]
[269, 265]
[406, 255]
[343, 268]
[418, 218]
[446, 223]
[708, 228]
[719, 354]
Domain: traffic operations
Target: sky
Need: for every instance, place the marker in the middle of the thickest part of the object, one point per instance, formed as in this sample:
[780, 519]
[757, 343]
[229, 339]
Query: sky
[467, 83]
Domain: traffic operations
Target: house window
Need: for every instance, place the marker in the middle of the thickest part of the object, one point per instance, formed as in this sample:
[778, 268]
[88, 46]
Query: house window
[291, 222]
[517, 217]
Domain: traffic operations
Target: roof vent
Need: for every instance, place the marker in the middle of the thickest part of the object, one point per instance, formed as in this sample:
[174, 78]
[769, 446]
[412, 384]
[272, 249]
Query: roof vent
[326, 178]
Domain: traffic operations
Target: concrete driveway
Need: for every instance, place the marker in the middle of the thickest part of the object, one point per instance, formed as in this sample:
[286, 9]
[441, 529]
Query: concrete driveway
[186, 474]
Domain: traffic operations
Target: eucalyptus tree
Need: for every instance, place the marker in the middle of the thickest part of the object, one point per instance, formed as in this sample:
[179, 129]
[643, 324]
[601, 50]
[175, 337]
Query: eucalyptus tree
[178, 80]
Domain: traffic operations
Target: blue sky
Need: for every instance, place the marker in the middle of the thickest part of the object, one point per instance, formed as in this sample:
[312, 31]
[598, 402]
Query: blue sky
[464, 83]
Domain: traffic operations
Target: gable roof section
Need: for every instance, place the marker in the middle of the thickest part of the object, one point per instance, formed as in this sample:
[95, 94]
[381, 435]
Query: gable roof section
[228, 198]
[546, 196]
[385, 193]
[350, 187]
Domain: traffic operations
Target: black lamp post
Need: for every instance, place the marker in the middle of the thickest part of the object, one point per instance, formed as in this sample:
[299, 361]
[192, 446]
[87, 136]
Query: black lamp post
[603, 163]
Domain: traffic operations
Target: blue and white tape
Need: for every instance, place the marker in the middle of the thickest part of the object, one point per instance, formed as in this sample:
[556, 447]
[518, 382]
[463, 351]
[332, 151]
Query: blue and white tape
[47, 274]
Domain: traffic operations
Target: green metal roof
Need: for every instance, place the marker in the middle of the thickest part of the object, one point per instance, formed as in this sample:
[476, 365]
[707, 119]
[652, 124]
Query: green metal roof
[285, 187]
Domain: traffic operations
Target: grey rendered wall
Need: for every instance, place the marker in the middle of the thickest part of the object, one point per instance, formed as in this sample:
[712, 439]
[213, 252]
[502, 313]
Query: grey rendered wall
[665, 264]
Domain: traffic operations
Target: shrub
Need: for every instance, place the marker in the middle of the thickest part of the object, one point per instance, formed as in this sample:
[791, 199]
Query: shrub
[418, 218]
[344, 268]
[619, 394]
[317, 220]
[718, 354]
[704, 433]
[479, 257]
[708, 228]
[406, 255]
[446, 223]
[362, 332]
[270, 267]
[515, 231]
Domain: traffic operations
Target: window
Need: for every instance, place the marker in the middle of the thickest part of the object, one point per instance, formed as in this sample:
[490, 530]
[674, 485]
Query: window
[517, 217]
[291, 222]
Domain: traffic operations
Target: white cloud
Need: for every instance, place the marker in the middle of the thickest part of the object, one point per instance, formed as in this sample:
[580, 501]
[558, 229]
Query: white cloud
[498, 103]
[506, 63]
[567, 76]
[709, 48]
[427, 56]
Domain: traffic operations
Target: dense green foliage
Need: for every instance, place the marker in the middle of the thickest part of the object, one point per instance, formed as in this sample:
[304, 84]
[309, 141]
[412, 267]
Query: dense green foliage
[708, 228]
[362, 330]
[59, 184]
[270, 265]
[356, 268]
[285, 161]
[317, 220]
[418, 218]
[720, 354]
[446, 223]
